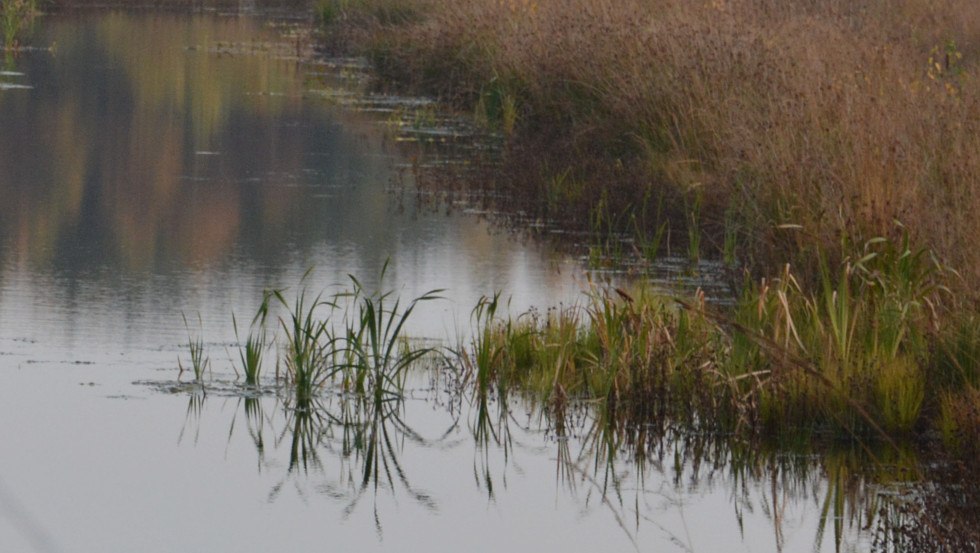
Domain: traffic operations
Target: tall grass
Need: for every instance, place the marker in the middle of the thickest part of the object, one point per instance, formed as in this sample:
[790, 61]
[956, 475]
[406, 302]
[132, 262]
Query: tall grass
[808, 125]
[311, 346]
[858, 357]
[15, 15]
[252, 352]
[352, 338]
[200, 362]
[865, 333]
[374, 348]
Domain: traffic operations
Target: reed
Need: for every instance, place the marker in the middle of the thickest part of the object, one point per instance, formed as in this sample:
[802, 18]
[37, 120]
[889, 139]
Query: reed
[380, 11]
[481, 361]
[15, 15]
[353, 337]
[806, 125]
[865, 336]
[252, 351]
[871, 353]
[200, 362]
[376, 353]
[860, 357]
[311, 347]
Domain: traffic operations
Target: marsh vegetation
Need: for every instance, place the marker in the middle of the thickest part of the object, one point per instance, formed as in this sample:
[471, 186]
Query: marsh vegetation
[799, 128]
[15, 17]
[838, 384]
[636, 372]
[826, 152]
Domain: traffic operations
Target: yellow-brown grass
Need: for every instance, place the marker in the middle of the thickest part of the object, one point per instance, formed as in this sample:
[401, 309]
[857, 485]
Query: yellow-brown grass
[818, 122]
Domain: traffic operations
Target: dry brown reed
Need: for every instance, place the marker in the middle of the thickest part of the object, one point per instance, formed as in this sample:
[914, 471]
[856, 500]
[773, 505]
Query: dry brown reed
[818, 122]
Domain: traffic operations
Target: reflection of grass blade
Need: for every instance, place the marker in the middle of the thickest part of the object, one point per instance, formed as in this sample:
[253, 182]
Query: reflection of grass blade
[195, 407]
[305, 428]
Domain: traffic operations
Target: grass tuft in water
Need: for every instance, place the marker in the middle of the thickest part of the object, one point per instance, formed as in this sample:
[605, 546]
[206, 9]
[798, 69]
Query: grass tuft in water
[199, 360]
[251, 352]
[376, 353]
[311, 346]
[354, 336]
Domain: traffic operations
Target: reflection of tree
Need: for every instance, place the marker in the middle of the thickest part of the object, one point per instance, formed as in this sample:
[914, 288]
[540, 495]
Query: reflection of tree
[108, 158]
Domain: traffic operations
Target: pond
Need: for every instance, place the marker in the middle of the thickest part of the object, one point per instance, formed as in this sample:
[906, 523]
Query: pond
[157, 168]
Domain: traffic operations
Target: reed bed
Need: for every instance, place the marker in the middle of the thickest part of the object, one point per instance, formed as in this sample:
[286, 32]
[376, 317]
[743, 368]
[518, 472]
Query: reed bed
[868, 355]
[795, 127]
[828, 148]
[853, 364]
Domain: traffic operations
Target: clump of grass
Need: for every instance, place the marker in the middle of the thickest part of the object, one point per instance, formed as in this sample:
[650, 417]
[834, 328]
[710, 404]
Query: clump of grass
[14, 17]
[200, 362]
[384, 12]
[959, 421]
[800, 122]
[481, 361]
[862, 340]
[955, 377]
[617, 347]
[854, 359]
[352, 337]
[251, 353]
[650, 230]
[375, 352]
[311, 347]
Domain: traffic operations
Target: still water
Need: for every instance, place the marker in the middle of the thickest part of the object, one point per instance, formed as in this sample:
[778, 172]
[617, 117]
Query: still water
[156, 165]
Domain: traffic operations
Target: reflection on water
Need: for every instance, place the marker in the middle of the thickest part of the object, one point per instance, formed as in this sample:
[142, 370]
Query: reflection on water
[647, 481]
[357, 438]
[138, 148]
[161, 163]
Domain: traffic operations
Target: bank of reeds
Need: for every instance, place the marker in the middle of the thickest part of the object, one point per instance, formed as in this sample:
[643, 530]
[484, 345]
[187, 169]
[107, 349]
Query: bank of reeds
[869, 354]
[866, 359]
[772, 134]
[797, 126]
